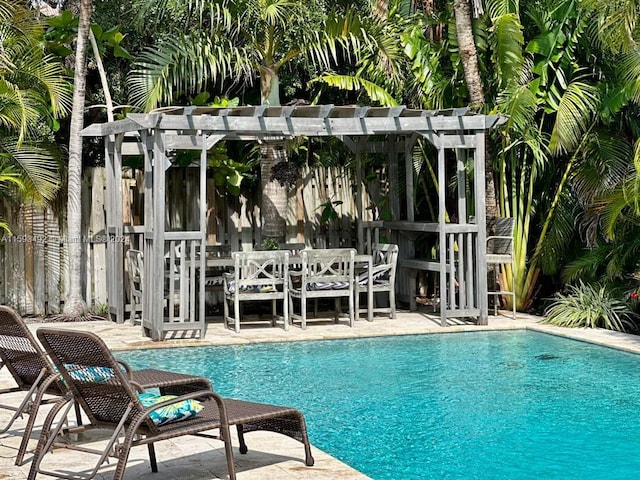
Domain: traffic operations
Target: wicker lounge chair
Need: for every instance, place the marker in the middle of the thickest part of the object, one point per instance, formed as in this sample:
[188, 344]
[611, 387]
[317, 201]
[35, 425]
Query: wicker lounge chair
[111, 402]
[31, 370]
[34, 373]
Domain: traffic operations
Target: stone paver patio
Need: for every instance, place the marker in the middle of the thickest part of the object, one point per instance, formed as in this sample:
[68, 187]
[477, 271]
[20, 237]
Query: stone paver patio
[270, 456]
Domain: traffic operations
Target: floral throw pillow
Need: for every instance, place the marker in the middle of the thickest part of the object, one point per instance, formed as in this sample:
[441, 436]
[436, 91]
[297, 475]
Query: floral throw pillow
[171, 413]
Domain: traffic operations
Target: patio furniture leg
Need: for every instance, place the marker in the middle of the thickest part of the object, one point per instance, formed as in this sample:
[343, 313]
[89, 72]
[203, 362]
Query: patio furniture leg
[225, 312]
[243, 445]
[152, 457]
[48, 435]
[285, 311]
[392, 303]
[351, 312]
[236, 312]
[303, 311]
[37, 401]
[273, 313]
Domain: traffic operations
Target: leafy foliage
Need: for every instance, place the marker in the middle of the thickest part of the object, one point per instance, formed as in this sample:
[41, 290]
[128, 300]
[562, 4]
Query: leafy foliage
[590, 306]
[34, 93]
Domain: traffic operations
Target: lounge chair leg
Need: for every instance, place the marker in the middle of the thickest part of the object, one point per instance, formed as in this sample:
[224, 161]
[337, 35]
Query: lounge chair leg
[37, 401]
[226, 437]
[308, 458]
[124, 449]
[152, 457]
[243, 444]
[48, 434]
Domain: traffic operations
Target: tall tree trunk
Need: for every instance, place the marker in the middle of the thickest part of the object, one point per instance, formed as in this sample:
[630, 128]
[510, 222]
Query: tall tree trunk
[75, 304]
[469, 56]
[273, 205]
[468, 53]
[274, 195]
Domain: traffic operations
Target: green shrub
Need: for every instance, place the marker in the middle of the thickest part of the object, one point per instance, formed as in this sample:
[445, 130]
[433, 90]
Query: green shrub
[590, 306]
[270, 244]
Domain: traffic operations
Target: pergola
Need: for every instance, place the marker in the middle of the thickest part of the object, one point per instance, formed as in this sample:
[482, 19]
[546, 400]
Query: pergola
[460, 262]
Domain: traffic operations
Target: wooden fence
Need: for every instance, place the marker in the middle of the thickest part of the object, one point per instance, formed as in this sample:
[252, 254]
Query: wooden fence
[33, 266]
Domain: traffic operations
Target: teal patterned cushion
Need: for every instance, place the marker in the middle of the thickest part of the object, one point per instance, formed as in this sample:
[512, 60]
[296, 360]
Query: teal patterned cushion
[171, 413]
[89, 374]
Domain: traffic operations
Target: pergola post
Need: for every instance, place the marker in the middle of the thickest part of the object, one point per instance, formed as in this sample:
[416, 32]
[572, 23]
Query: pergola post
[114, 227]
[481, 220]
[154, 261]
[442, 234]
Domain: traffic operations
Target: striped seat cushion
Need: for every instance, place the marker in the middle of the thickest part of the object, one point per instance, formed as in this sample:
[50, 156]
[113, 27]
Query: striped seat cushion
[378, 274]
[253, 288]
[328, 286]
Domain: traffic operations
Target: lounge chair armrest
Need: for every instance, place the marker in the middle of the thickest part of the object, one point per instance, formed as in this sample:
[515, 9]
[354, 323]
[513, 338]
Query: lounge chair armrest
[137, 387]
[125, 367]
[186, 396]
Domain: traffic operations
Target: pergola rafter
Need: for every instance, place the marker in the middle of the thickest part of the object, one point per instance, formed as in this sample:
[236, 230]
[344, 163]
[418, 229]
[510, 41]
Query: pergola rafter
[156, 134]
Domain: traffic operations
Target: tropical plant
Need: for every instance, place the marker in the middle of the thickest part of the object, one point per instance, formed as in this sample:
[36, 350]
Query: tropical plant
[589, 306]
[564, 100]
[33, 95]
[244, 40]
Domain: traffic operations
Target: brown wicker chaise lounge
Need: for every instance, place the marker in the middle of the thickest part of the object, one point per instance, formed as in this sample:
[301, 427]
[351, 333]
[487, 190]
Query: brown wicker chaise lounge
[34, 373]
[112, 403]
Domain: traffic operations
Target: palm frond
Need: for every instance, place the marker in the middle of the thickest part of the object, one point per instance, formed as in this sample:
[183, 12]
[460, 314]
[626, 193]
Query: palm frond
[604, 165]
[611, 206]
[497, 8]
[188, 65]
[629, 71]
[520, 105]
[576, 109]
[588, 264]
[351, 82]
[37, 167]
[509, 41]
[557, 241]
[616, 24]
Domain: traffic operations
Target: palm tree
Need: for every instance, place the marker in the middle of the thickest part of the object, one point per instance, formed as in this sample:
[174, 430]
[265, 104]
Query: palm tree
[33, 93]
[75, 305]
[245, 40]
[464, 12]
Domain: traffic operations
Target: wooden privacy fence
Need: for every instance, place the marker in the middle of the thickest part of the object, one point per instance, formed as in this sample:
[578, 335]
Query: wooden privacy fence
[33, 266]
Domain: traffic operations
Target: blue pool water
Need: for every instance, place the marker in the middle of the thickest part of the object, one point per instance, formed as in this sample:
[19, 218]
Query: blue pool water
[493, 405]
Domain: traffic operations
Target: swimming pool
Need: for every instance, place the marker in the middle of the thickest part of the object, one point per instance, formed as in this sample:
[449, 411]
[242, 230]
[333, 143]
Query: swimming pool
[488, 405]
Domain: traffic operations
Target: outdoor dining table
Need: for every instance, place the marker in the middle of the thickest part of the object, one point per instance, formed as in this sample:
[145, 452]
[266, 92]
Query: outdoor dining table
[364, 263]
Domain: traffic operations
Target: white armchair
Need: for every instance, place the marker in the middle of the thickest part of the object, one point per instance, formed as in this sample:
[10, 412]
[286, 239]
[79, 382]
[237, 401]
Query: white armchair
[325, 273]
[257, 276]
[383, 278]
